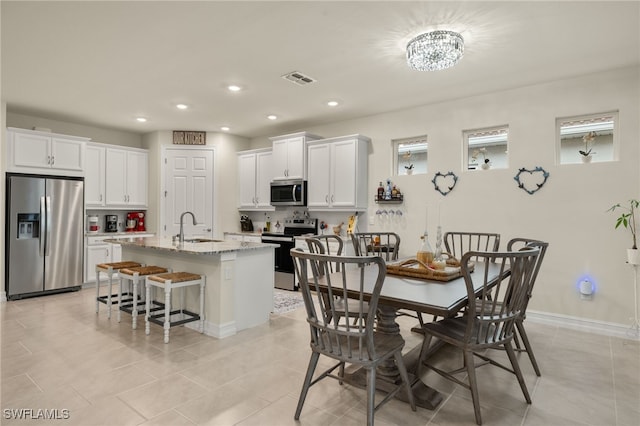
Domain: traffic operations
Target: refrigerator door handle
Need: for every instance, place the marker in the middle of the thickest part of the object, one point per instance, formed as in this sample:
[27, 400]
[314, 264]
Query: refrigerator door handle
[47, 247]
[41, 237]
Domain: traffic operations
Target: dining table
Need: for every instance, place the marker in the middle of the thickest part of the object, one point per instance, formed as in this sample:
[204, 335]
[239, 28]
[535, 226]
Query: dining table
[425, 296]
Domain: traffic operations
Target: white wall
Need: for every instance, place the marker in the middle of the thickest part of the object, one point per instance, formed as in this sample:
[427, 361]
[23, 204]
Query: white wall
[226, 215]
[569, 211]
[3, 169]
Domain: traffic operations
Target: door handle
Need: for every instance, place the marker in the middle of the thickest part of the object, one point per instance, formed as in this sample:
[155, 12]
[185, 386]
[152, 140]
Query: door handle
[53, 160]
[293, 193]
[47, 247]
[42, 224]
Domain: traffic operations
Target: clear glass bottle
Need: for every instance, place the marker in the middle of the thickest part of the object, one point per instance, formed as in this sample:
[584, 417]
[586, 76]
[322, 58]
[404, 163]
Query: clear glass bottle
[425, 254]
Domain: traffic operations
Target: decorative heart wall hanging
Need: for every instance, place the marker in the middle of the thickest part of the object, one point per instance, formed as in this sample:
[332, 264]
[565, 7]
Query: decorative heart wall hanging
[531, 180]
[444, 180]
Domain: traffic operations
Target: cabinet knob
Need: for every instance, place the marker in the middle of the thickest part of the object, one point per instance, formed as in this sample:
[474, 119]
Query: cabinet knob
[53, 160]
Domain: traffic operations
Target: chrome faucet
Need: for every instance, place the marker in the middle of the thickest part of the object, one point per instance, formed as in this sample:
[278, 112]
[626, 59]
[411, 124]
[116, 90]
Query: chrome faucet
[181, 235]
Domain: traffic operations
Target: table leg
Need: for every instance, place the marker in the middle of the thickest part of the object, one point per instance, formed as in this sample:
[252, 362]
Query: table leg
[388, 375]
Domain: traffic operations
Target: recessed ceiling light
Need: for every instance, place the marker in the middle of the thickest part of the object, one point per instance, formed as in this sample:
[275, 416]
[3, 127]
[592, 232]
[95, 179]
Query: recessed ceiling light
[225, 128]
[272, 117]
[234, 88]
[141, 119]
[182, 106]
[332, 103]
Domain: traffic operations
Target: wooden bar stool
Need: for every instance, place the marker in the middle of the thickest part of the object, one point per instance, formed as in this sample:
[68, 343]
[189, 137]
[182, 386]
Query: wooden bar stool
[134, 275]
[168, 282]
[109, 269]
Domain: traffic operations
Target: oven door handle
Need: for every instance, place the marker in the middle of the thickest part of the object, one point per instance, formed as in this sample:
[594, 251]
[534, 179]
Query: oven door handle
[281, 239]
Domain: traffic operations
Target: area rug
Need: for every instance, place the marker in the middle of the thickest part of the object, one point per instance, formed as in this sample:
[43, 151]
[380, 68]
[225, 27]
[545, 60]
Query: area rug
[286, 301]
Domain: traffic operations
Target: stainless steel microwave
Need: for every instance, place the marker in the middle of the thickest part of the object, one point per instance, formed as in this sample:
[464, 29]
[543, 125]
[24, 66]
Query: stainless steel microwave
[289, 192]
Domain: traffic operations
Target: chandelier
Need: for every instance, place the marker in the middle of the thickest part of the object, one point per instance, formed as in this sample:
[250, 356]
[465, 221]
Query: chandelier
[436, 50]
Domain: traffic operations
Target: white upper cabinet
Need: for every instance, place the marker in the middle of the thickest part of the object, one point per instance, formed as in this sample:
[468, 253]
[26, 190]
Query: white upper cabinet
[290, 155]
[42, 152]
[126, 177]
[337, 176]
[94, 178]
[255, 172]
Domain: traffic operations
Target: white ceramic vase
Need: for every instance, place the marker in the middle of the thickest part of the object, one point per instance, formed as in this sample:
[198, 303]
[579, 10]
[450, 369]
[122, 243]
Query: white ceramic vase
[485, 166]
[633, 256]
[586, 158]
[409, 171]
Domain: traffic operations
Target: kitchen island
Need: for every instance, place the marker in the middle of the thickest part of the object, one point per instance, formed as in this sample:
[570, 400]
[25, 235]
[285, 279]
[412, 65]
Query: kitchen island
[239, 288]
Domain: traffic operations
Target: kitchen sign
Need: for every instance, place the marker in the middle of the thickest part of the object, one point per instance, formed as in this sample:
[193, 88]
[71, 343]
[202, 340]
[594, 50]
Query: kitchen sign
[181, 137]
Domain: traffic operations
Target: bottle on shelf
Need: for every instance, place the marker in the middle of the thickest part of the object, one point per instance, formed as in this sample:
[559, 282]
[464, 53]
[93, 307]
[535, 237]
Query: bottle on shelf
[380, 191]
[425, 253]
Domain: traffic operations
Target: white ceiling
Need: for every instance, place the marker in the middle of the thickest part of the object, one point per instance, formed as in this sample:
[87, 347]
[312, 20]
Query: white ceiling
[106, 63]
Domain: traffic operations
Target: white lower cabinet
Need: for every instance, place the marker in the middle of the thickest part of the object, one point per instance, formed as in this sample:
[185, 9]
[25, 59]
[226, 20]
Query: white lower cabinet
[337, 173]
[100, 252]
[96, 251]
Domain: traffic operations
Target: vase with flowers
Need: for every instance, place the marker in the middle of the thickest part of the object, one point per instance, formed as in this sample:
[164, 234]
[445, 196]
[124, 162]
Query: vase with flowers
[409, 169]
[588, 149]
[486, 163]
[628, 220]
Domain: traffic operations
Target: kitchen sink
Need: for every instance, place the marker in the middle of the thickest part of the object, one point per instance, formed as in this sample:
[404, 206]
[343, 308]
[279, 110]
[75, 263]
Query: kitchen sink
[201, 240]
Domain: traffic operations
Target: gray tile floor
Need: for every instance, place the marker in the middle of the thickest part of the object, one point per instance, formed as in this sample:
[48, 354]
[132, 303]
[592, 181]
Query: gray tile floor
[58, 355]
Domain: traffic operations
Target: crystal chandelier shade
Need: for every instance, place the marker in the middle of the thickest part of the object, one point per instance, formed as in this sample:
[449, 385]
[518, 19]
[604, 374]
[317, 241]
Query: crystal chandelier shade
[436, 50]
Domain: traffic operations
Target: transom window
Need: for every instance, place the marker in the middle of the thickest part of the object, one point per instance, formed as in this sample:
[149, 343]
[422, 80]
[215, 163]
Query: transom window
[486, 147]
[587, 138]
[410, 155]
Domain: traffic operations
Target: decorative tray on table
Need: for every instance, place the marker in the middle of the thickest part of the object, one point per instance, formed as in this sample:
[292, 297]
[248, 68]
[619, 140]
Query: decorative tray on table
[416, 269]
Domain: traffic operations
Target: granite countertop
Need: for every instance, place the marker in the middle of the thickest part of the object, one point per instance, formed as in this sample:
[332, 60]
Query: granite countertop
[251, 234]
[198, 248]
[117, 234]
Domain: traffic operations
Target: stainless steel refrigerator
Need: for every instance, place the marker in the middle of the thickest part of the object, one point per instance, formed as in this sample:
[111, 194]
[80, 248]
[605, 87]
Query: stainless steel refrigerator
[44, 234]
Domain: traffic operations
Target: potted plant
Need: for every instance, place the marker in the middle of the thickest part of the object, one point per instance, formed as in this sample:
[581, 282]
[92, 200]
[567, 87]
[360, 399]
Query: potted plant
[627, 219]
[486, 163]
[409, 169]
[587, 152]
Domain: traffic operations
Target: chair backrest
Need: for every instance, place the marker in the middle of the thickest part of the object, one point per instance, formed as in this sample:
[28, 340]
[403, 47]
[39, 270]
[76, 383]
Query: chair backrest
[382, 244]
[493, 310]
[458, 243]
[347, 340]
[520, 244]
[326, 244]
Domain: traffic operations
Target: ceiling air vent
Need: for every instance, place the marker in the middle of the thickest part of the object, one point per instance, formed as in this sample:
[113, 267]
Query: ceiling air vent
[298, 78]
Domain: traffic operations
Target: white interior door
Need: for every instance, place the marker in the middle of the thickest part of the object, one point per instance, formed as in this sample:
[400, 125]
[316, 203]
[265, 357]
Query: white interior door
[188, 184]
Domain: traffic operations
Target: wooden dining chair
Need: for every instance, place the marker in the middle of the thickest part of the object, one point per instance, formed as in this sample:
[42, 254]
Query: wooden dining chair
[359, 344]
[382, 244]
[519, 244]
[387, 246]
[457, 243]
[333, 245]
[491, 317]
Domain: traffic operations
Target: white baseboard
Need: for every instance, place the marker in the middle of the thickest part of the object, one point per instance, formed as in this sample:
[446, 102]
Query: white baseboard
[582, 324]
[219, 331]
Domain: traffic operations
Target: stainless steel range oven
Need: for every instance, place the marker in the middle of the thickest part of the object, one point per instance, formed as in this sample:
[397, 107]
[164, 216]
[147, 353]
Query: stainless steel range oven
[284, 269]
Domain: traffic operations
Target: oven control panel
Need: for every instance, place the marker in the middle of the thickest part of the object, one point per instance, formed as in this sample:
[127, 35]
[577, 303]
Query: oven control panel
[301, 223]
